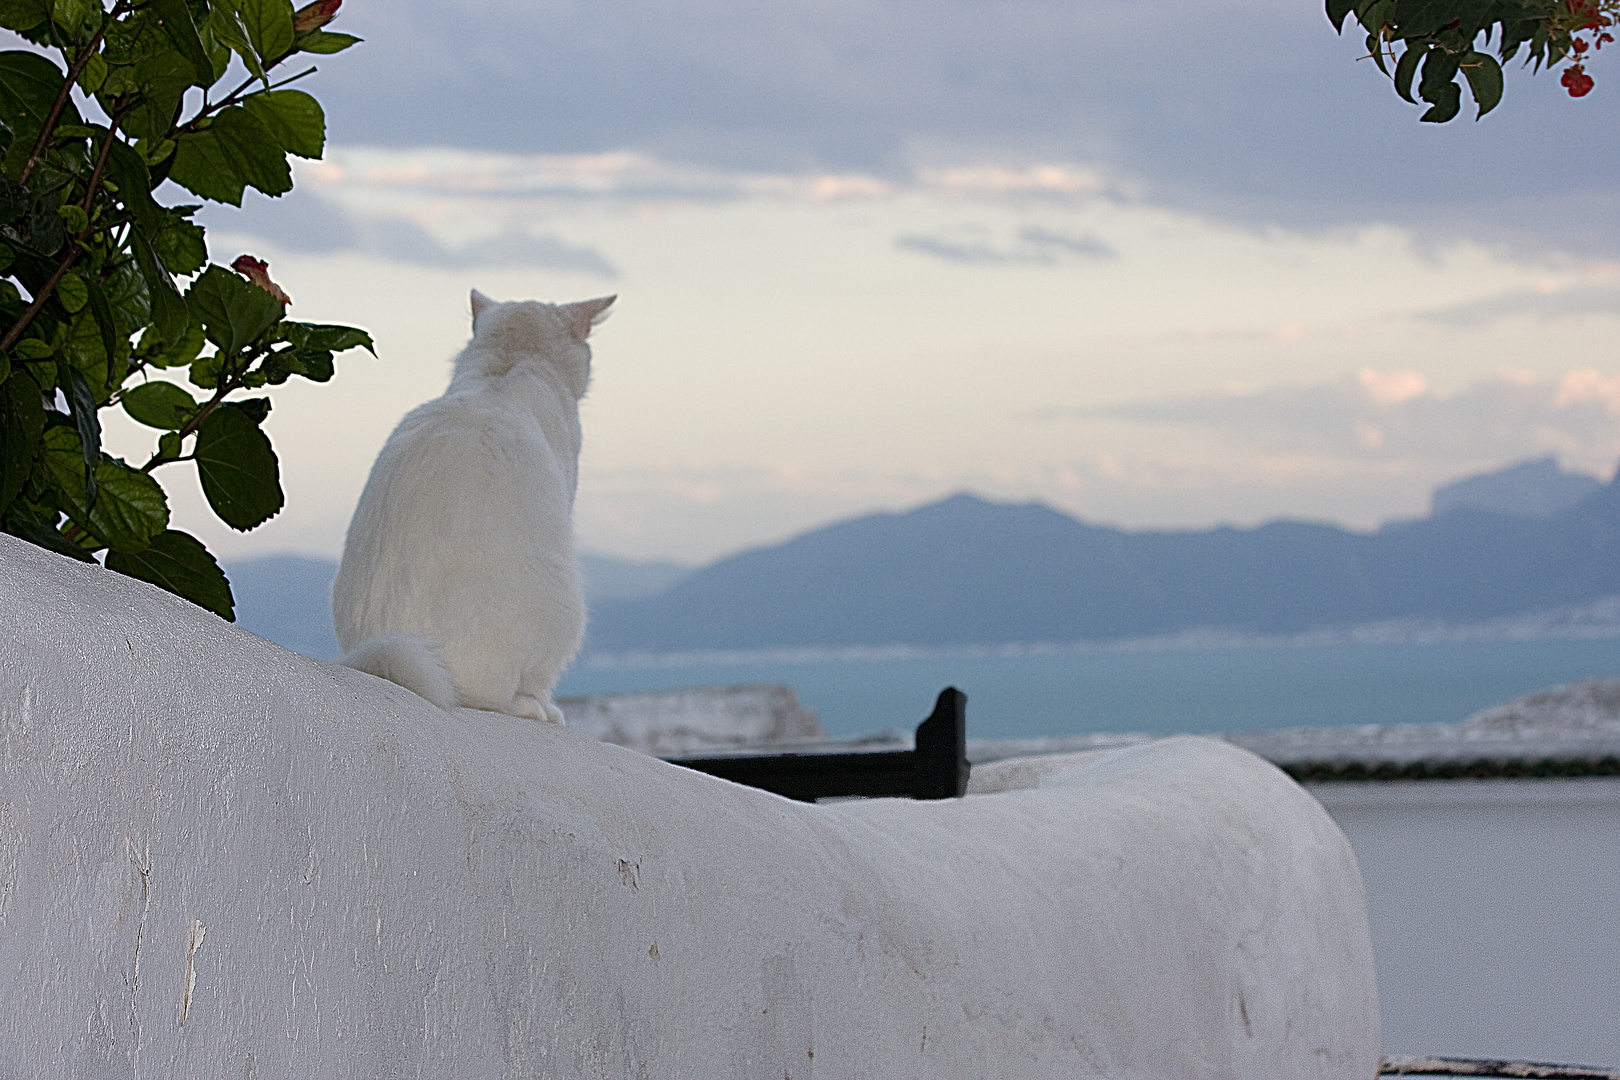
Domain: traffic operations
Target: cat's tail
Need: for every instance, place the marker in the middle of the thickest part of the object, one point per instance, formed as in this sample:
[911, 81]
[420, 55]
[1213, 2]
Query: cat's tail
[409, 660]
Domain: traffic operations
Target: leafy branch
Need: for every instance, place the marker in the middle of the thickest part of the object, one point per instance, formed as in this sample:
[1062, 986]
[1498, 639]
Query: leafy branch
[97, 257]
[1441, 44]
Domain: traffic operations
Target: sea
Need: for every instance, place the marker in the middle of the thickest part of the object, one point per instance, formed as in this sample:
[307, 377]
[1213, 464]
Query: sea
[1160, 687]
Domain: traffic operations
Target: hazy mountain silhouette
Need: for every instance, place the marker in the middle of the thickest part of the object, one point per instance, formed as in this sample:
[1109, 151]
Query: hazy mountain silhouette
[1537, 488]
[965, 571]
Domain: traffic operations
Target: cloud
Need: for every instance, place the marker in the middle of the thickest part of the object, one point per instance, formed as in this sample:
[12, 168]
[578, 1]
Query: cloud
[880, 87]
[404, 241]
[308, 223]
[1543, 303]
[1397, 415]
[627, 177]
[1032, 247]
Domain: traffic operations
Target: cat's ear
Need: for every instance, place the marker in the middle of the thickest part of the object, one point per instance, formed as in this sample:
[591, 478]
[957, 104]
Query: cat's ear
[586, 314]
[479, 303]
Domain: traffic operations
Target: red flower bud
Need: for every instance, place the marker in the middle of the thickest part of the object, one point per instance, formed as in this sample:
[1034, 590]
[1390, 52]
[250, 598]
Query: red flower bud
[314, 16]
[258, 272]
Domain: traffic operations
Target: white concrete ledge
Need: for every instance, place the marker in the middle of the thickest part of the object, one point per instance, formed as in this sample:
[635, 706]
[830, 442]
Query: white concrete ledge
[218, 858]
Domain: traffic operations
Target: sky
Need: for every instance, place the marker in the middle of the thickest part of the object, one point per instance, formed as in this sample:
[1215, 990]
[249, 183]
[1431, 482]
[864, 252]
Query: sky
[1159, 268]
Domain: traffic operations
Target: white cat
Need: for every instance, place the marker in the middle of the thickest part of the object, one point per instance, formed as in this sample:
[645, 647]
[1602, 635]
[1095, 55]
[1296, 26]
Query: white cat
[458, 579]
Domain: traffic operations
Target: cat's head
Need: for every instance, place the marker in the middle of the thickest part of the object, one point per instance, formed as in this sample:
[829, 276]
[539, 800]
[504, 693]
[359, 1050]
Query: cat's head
[505, 335]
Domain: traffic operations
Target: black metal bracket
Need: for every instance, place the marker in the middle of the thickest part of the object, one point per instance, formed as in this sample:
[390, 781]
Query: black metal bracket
[936, 769]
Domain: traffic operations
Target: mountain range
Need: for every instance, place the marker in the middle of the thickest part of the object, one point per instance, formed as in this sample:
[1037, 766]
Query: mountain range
[966, 571]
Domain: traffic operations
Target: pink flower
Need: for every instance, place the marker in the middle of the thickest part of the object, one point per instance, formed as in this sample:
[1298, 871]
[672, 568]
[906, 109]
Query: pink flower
[314, 16]
[257, 270]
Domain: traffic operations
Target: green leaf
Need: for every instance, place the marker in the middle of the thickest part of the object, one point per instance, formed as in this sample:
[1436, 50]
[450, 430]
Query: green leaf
[225, 27]
[178, 562]
[29, 84]
[82, 405]
[23, 14]
[169, 445]
[71, 15]
[202, 166]
[179, 353]
[22, 421]
[294, 118]
[21, 523]
[14, 200]
[73, 293]
[326, 42]
[255, 409]
[102, 312]
[85, 349]
[32, 348]
[159, 404]
[1484, 81]
[1407, 69]
[162, 82]
[313, 364]
[93, 75]
[269, 25]
[28, 88]
[46, 230]
[129, 171]
[238, 469]
[182, 248]
[235, 150]
[234, 312]
[130, 508]
[1336, 12]
[205, 370]
[1447, 104]
[329, 337]
[73, 217]
[1439, 71]
[169, 312]
[175, 18]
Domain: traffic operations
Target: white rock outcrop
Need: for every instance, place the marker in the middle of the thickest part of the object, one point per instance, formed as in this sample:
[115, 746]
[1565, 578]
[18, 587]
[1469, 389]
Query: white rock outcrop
[695, 720]
[218, 858]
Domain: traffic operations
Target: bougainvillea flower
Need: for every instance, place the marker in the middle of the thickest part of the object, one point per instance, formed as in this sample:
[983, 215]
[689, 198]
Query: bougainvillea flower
[258, 272]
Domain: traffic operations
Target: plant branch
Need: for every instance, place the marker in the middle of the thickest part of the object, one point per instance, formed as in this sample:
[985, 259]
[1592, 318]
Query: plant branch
[236, 95]
[227, 384]
[119, 110]
[74, 71]
[27, 317]
[75, 246]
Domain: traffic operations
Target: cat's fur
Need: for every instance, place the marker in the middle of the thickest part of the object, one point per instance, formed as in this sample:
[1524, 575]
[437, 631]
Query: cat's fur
[458, 579]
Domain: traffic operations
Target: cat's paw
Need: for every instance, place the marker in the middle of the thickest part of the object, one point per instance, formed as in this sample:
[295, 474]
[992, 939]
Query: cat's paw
[535, 709]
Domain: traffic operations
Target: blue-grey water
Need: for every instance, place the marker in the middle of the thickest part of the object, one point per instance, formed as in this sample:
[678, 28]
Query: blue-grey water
[1180, 688]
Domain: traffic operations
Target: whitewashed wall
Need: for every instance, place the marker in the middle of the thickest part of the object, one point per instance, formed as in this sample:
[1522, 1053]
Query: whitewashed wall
[221, 859]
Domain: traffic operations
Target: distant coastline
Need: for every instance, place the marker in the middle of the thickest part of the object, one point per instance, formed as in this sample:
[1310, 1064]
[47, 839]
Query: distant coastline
[1596, 620]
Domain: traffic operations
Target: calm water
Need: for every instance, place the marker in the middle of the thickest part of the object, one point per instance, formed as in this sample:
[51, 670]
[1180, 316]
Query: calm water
[1170, 689]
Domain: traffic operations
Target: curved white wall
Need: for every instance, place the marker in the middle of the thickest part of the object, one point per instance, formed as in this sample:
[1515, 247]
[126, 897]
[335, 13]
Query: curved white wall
[218, 858]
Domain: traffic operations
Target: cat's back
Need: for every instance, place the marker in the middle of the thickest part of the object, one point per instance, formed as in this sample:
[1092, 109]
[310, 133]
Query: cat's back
[469, 466]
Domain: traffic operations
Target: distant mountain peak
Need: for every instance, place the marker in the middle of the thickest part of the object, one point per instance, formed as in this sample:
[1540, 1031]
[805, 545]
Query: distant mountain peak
[1534, 489]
